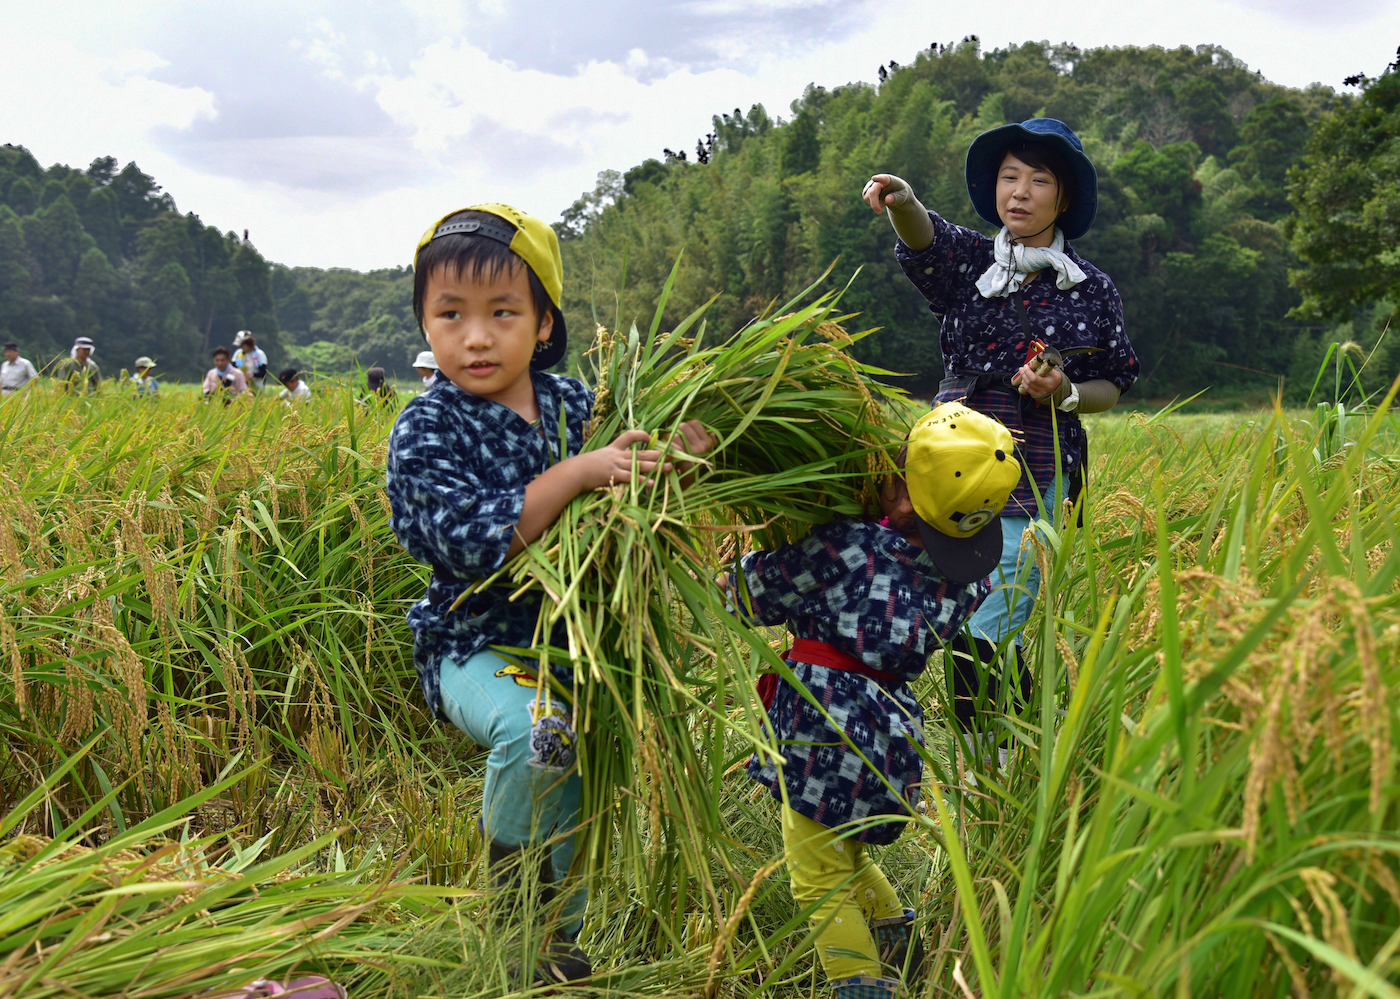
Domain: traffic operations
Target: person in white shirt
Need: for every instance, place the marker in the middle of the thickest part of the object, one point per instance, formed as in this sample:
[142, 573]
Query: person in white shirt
[15, 372]
[250, 359]
[293, 388]
[426, 366]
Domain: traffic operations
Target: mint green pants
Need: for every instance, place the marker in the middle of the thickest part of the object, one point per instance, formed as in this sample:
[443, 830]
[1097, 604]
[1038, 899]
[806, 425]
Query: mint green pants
[531, 793]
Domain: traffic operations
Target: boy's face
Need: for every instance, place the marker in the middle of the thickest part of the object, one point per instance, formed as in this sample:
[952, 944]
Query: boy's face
[483, 331]
[221, 361]
[898, 509]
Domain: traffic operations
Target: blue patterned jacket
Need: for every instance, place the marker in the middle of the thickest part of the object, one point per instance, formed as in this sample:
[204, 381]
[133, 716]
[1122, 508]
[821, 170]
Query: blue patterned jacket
[458, 467]
[863, 589]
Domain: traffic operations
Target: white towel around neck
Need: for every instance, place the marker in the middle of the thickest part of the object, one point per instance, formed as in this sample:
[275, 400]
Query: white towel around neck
[1012, 263]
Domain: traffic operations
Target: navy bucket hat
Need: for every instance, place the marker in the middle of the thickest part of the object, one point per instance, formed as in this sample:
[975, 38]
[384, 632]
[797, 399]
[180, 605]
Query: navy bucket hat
[988, 149]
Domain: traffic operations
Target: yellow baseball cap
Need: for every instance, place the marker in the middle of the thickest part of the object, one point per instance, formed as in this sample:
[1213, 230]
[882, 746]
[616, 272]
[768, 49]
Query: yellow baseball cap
[960, 468]
[533, 242]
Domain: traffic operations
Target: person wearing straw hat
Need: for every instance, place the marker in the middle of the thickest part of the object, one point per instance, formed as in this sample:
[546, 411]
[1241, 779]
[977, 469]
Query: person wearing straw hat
[866, 604]
[478, 468]
[78, 371]
[16, 372]
[1031, 333]
[146, 386]
[426, 367]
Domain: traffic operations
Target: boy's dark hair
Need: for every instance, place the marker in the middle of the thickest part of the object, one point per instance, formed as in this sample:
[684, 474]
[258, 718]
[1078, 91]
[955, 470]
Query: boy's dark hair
[221, 350]
[481, 256]
[1043, 156]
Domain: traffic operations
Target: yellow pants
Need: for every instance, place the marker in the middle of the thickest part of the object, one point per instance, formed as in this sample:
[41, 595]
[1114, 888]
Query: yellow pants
[836, 874]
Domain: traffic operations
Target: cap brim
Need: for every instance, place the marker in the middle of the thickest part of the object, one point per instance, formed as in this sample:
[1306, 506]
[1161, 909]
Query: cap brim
[963, 560]
[557, 345]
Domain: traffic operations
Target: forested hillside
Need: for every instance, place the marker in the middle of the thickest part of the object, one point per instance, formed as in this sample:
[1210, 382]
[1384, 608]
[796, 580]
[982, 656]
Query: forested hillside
[1192, 148]
[1215, 187]
[103, 253]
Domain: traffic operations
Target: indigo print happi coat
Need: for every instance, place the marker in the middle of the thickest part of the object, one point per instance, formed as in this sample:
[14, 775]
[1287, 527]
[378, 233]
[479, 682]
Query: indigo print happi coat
[864, 589]
[458, 468]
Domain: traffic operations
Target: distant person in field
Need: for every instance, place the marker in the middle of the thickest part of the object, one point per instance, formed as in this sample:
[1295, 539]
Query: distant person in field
[78, 371]
[250, 359]
[294, 388]
[223, 379]
[476, 471]
[146, 386]
[866, 604]
[999, 297]
[16, 372]
[380, 393]
[426, 368]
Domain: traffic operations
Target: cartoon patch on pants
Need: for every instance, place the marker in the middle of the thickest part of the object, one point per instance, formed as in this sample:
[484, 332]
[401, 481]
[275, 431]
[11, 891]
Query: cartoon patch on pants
[521, 677]
[551, 736]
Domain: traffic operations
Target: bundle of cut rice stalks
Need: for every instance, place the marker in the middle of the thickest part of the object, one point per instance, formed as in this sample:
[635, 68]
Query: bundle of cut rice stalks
[662, 675]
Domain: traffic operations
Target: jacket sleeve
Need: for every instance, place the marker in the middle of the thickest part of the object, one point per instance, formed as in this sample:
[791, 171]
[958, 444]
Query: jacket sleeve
[1119, 362]
[956, 258]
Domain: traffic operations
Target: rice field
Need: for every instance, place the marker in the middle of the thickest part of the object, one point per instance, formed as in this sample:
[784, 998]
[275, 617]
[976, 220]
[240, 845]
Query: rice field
[216, 765]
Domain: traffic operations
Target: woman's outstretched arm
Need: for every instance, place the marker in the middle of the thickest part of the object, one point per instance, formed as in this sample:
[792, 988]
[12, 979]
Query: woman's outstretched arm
[909, 217]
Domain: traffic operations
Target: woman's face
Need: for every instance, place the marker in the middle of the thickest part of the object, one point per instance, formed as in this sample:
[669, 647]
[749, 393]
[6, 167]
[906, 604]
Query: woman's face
[1028, 200]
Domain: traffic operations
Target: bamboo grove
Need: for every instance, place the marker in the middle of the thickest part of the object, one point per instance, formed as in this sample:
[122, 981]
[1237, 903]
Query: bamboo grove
[211, 723]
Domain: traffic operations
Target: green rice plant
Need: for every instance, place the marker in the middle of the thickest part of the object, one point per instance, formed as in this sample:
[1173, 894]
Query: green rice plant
[153, 911]
[1204, 797]
[801, 428]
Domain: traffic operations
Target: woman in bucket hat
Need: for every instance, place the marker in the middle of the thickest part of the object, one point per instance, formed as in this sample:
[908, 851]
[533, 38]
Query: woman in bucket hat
[1000, 301]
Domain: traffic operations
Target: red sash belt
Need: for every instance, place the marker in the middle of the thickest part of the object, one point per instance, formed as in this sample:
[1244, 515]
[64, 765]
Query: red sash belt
[809, 650]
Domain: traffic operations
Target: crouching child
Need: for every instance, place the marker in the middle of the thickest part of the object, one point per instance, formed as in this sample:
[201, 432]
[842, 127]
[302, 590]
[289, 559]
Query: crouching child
[866, 604]
[478, 468]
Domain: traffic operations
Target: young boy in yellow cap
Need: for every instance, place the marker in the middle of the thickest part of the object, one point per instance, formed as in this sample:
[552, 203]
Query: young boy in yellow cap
[479, 467]
[866, 604]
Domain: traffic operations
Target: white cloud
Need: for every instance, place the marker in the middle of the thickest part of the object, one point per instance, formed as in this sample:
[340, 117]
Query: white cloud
[336, 131]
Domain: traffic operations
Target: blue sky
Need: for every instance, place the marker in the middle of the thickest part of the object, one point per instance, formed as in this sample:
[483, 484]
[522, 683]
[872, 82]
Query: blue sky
[335, 132]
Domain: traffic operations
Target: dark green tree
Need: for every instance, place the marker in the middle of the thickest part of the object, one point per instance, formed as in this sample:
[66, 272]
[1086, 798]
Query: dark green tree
[22, 196]
[801, 151]
[101, 220]
[102, 170]
[1272, 139]
[56, 240]
[1347, 194]
[1162, 182]
[1202, 104]
[95, 288]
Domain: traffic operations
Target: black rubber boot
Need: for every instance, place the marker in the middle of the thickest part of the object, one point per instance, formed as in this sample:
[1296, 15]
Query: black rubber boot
[965, 680]
[560, 960]
[899, 946]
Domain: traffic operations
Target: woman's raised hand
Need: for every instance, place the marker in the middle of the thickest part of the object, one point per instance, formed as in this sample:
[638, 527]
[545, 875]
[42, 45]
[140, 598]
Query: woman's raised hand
[886, 189]
[910, 219]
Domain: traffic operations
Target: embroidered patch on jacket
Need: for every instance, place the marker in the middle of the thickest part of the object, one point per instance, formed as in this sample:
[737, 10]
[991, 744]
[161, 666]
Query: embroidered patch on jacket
[551, 736]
